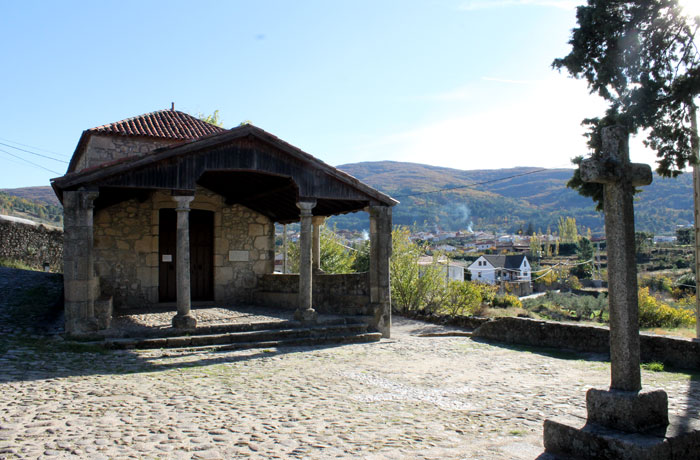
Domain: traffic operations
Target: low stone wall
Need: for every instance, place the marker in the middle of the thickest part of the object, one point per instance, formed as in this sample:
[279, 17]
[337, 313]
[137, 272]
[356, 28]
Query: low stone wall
[676, 352]
[32, 244]
[346, 294]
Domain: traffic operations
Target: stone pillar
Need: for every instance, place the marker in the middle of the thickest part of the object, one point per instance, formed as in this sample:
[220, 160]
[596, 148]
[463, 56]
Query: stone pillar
[284, 249]
[305, 311]
[184, 318]
[379, 276]
[79, 280]
[317, 221]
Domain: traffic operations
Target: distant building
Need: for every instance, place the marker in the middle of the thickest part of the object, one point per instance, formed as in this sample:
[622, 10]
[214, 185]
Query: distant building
[493, 269]
[664, 239]
[453, 271]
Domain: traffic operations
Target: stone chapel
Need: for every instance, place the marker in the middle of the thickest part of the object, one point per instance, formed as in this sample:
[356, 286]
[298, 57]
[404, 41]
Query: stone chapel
[164, 209]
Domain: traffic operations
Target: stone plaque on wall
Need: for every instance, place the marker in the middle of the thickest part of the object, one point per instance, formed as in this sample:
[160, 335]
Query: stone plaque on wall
[238, 256]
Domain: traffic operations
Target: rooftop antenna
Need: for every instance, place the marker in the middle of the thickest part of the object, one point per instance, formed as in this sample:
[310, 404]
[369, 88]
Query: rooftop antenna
[172, 106]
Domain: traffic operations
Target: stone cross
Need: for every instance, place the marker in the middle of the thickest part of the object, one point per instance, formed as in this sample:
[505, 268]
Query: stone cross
[612, 168]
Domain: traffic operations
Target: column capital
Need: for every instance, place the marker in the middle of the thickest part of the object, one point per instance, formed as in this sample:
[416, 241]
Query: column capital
[318, 220]
[183, 202]
[87, 198]
[306, 207]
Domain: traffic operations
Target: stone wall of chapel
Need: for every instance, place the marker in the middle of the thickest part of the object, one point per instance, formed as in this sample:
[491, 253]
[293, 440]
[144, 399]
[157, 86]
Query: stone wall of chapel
[126, 249]
[105, 148]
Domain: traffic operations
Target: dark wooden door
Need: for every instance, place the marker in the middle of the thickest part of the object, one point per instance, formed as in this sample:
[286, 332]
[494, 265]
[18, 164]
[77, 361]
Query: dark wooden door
[201, 255]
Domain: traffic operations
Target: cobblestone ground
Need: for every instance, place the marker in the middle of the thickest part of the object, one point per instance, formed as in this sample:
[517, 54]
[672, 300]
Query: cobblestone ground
[403, 398]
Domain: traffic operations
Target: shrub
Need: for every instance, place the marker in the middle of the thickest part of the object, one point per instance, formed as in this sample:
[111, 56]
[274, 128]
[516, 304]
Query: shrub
[506, 301]
[657, 283]
[413, 287]
[462, 298]
[654, 313]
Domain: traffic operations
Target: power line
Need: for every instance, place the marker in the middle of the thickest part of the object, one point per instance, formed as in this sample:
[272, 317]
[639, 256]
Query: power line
[470, 185]
[33, 153]
[34, 147]
[30, 162]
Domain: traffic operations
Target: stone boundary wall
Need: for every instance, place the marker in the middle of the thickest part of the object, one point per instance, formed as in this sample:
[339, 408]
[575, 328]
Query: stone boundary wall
[32, 244]
[345, 294]
[672, 351]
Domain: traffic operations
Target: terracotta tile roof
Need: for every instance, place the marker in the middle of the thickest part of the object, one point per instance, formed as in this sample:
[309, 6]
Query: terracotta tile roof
[164, 124]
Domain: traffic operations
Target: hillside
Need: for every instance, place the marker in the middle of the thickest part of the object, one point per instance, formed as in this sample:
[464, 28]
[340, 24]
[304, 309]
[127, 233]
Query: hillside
[528, 195]
[39, 211]
[43, 194]
[503, 200]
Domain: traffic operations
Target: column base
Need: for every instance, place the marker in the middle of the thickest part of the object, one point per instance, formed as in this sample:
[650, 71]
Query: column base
[306, 316]
[187, 321]
[629, 411]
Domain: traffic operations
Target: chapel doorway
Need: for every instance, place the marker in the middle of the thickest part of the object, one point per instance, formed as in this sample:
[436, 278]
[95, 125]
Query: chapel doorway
[201, 255]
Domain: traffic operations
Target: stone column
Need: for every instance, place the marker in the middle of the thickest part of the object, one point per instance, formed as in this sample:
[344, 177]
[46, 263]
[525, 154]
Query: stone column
[79, 280]
[305, 311]
[379, 276]
[317, 221]
[284, 249]
[184, 318]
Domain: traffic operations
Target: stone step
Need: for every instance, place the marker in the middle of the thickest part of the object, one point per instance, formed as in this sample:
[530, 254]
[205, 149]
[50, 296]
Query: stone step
[222, 328]
[366, 337]
[311, 334]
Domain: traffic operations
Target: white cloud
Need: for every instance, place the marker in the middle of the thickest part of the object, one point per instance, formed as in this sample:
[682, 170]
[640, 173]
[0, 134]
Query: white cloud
[474, 5]
[540, 126]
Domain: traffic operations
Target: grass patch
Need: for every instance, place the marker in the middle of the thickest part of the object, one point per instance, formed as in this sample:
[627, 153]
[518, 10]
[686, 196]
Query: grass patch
[12, 263]
[653, 366]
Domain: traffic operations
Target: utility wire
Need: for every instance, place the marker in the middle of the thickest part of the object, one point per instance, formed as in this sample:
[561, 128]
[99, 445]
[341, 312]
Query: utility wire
[33, 153]
[33, 147]
[470, 185]
[30, 162]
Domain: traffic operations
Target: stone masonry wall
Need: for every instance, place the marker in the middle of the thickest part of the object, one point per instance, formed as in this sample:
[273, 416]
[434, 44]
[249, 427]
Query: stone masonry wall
[345, 294]
[126, 249]
[125, 254]
[672, 351]
[31, 244]
[103, 149]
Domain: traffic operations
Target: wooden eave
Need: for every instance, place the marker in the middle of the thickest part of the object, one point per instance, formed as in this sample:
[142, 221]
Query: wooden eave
[151, 169]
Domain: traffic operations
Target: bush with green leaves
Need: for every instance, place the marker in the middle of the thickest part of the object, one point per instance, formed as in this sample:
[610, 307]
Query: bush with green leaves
[654, 313]
[506, 301]
[414, 287]
[462, 298]
[336, 257]
[569, 306]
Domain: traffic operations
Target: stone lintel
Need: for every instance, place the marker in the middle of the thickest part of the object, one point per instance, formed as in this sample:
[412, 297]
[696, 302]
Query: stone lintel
[175, 193]
[627, 410]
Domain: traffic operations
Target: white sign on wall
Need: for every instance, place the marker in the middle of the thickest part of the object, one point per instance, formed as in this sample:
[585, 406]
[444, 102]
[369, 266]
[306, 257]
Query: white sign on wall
[238, 256]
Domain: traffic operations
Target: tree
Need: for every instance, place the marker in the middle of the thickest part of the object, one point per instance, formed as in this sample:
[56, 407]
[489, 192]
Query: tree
[685, 235]
[535, 247]
[568, 232]
[643, 242]
[212, 119]
[641, 56]
[413, 287]
[335, 256]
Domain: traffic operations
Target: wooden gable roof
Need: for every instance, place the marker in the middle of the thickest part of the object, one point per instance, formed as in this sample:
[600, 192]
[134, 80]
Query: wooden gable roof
[246, 165]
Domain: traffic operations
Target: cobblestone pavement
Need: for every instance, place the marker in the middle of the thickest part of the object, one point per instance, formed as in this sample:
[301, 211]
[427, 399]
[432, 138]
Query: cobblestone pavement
[408, 397]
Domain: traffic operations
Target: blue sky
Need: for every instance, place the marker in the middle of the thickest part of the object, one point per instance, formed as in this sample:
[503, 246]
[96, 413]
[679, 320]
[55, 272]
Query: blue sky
[464, 84]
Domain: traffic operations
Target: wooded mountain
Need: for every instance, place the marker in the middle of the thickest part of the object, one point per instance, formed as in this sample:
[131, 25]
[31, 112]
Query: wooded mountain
[504, 200]
[508, 199]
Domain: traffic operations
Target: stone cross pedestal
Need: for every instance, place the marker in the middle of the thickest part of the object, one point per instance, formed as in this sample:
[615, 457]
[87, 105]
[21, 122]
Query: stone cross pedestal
[624, 407]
